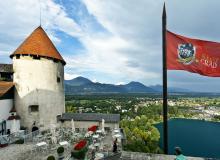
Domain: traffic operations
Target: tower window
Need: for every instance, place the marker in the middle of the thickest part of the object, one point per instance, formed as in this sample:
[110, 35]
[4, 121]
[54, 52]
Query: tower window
[36, 57]
[17, 56]
[58, 79]
[34, 108]
[58, 117]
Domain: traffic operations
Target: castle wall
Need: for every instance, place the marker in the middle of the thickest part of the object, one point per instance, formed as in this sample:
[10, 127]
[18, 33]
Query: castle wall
[36, 85]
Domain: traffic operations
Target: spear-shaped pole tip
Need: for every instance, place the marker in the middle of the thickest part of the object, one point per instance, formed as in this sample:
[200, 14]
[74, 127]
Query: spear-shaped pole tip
[164, 10]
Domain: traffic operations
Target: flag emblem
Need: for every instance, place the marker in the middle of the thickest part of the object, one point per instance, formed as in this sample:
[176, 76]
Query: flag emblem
[186, 53]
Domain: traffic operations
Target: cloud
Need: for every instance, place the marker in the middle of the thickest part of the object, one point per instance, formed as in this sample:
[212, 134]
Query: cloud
[120, 40]
[70, 76]
[194, 19]
[55, 17]
[132, 50]
[20, 17]
[116, 50]
[120, 83]
[94, 80]
[104, 55]
[127, 47]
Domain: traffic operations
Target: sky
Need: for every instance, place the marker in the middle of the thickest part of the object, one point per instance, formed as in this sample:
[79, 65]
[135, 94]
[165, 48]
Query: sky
[113, 41]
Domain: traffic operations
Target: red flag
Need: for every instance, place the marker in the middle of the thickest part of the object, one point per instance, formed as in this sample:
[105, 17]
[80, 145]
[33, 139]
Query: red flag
[193, 55]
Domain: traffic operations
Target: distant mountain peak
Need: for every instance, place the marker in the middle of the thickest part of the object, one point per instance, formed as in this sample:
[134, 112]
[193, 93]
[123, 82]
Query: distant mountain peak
[135, 83]
[78, 81]
[82, 78]
[134, 86]
[82, 85]
[159, 88]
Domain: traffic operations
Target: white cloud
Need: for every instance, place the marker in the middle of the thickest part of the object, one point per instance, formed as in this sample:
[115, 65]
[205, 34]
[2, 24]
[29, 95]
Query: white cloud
[119, 52]
[20, 17]
[121, 83]
[94, 80]
[138, 25]
[55, 17]
[124, 51]
[129, 49]
[70, 76]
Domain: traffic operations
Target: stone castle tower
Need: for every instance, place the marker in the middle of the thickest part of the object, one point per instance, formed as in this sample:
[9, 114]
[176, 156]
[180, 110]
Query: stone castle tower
[38, 78]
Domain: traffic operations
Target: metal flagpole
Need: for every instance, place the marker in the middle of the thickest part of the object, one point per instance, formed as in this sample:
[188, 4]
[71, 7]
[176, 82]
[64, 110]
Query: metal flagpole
[165, 125]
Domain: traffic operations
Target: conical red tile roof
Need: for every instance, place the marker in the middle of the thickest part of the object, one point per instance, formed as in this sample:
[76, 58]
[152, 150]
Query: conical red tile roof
[38, 43]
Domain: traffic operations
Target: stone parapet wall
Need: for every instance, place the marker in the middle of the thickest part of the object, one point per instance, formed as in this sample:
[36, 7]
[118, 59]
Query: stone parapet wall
[148, 156]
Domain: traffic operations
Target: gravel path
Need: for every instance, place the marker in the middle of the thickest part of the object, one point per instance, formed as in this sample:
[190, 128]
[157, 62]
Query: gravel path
[27, 152]
[14, 151]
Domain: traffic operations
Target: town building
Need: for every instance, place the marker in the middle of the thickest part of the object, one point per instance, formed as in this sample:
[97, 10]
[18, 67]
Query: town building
[6, 104]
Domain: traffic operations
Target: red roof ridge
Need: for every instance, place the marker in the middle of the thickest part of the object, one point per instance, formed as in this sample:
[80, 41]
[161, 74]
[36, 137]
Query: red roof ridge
[38, 43]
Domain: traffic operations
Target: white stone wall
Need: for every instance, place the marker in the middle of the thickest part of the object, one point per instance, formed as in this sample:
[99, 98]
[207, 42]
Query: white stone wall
[5, 107]
[9, 124]
[87, 124]
[36, 84]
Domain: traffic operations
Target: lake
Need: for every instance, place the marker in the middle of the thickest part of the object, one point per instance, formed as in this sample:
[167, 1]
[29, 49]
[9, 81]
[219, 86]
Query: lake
[196, 137]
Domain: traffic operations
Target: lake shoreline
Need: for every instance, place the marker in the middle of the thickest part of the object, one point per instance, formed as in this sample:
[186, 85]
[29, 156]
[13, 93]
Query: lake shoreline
[197, 138]
[204, 120]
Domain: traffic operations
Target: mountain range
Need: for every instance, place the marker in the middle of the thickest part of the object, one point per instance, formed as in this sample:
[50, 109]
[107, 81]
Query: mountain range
[81, 85]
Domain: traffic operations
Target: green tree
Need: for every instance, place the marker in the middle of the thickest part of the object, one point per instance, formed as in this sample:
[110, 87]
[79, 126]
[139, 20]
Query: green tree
[141, 135]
